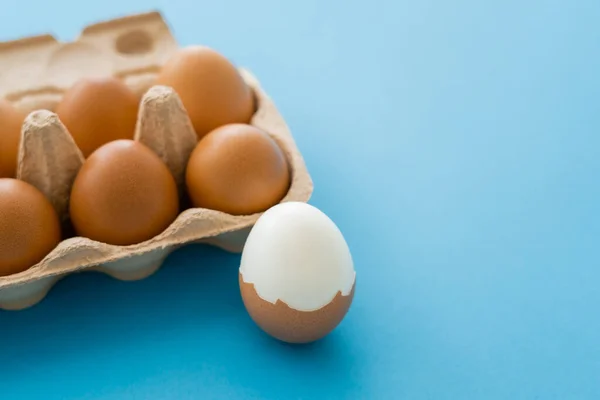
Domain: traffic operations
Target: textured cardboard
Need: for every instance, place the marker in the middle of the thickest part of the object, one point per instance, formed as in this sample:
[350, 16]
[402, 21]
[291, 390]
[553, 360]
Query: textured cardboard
[34, 72]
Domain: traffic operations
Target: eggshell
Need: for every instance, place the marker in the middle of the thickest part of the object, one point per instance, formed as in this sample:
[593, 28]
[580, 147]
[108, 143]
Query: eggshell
[97, 111]
[238, 169]
[296, 275]
[210, 87]
[124, 194]
[292, 326]
[29, 227]
[11, 121]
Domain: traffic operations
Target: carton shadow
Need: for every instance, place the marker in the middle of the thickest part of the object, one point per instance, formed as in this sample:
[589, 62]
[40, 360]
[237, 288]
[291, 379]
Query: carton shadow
[192, 306]
[91, 309]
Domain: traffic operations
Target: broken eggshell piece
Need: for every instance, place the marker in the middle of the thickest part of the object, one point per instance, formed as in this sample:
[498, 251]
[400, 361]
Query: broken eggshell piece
[296, 275]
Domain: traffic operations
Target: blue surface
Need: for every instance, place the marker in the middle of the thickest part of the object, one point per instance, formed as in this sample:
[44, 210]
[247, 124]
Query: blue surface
[456, 145]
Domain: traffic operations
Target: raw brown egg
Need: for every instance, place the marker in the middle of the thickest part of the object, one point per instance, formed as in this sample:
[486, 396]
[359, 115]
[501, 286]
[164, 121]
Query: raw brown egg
[29, 227]
[210, 87]
[11, 121]
[124, 194]
[98, 111]
[238, 169]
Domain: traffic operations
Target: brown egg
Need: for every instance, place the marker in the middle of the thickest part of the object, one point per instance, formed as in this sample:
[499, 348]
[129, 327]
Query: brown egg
[210, 87]
[237, 169]
[98, 111]
[123, 194]
[11, 121]
[29, 227]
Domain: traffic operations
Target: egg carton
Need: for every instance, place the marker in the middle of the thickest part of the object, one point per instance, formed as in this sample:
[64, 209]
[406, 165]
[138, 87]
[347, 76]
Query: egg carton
[35, 72]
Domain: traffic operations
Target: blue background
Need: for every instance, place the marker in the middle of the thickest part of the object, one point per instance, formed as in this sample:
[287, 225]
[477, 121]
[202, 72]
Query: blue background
[456, 144]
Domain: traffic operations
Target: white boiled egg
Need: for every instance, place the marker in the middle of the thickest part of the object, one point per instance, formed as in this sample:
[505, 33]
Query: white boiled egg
[296, 275]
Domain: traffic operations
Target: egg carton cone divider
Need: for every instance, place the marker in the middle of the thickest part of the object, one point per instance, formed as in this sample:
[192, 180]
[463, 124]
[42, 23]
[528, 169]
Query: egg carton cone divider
[49, 158]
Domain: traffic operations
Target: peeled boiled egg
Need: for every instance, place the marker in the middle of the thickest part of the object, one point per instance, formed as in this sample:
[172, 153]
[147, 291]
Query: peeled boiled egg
[123, 194]
[238, 169]
[11, 121]
[97, 111]
[29, 227]
[210, 87]
[296, 275]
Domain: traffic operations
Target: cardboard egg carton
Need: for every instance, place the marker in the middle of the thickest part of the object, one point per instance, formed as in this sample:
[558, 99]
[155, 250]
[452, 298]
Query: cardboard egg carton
[35, 72]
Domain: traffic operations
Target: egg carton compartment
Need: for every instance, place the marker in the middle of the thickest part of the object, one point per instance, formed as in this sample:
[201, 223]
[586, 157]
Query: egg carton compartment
[132, 48]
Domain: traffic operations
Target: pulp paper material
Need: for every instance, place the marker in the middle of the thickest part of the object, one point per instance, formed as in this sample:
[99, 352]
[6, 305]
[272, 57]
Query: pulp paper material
[34, 72]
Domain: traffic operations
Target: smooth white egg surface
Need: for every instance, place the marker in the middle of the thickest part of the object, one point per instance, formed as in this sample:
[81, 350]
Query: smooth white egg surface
[295, 253]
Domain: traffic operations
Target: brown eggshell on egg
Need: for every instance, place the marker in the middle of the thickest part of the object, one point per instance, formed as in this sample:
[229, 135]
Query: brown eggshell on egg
[124, 194]
[97, 111]
[293, 326]
[29, 226]
[210, 87]
[11, 121]
[238, 169]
